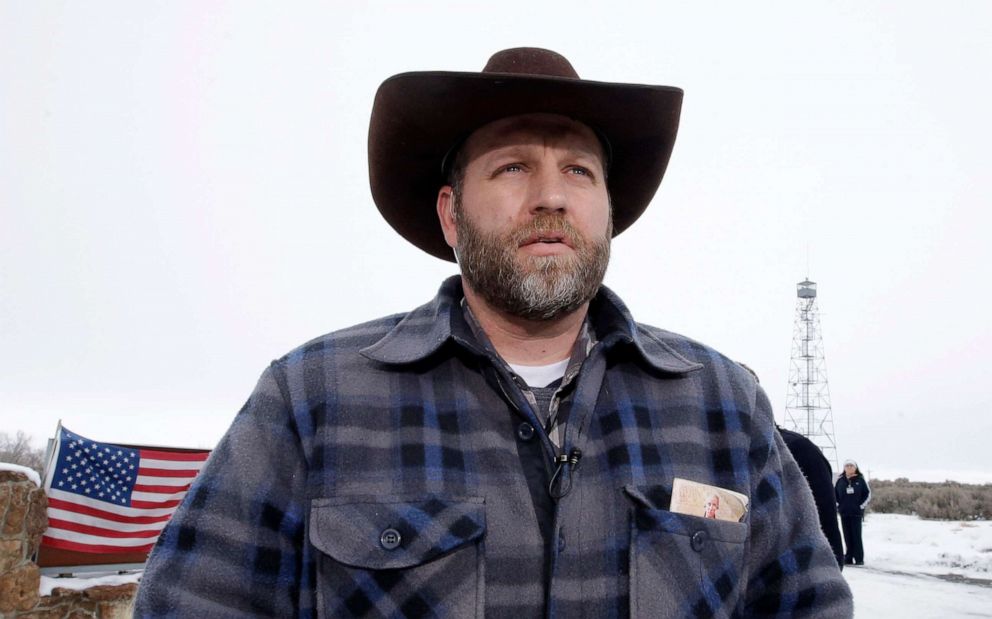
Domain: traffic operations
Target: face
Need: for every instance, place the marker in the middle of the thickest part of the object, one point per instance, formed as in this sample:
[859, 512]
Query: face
[711, 507]
[849, 469]
[531, 222]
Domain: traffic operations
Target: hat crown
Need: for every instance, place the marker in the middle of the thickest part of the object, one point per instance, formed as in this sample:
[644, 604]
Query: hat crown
[530, 61]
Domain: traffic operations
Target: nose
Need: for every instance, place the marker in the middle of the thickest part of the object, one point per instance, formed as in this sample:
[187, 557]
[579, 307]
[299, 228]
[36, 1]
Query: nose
[549, 191]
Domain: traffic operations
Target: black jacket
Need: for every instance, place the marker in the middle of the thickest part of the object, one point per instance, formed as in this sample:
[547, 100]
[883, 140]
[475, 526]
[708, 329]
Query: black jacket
[852, 503]
[819, 476]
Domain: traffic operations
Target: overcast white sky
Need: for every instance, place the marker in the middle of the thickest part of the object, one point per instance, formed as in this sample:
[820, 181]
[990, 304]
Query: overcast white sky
[184, 197]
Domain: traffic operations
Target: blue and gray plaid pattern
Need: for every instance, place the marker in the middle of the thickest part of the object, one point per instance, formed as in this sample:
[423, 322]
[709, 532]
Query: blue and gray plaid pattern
[375, 472]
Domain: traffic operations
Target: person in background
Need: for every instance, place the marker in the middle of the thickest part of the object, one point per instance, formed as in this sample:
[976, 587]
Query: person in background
[819, 476]
[853, 495]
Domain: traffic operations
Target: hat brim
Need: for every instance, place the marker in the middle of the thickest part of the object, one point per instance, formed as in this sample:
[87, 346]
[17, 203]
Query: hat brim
[417, 117]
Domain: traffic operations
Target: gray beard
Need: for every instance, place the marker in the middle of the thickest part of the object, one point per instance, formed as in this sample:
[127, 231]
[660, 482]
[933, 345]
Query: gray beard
[539, 288]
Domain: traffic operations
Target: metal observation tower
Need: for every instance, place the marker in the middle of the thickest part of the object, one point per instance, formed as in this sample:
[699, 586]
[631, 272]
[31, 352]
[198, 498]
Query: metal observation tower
[807, 403]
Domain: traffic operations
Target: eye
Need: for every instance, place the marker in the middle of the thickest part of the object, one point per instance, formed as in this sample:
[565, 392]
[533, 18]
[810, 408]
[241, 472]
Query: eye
[578, 170]
[512, 167]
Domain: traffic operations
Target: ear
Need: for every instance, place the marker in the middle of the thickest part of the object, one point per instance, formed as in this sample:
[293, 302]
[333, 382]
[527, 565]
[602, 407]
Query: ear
[446, 215]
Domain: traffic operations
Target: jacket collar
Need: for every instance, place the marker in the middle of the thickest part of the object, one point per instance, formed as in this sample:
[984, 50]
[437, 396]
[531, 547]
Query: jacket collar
[422, 332]
[614, 324]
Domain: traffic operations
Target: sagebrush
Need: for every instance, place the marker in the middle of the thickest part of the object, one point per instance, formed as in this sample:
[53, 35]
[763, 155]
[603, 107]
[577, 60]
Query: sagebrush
[948, 500]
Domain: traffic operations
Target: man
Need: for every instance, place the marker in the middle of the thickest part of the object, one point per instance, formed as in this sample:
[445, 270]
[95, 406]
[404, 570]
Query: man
[508, 449]
[712, 506]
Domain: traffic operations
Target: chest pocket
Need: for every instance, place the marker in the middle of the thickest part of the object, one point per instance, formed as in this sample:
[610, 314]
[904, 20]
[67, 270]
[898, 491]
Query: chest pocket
[682, 565]
[399, 556]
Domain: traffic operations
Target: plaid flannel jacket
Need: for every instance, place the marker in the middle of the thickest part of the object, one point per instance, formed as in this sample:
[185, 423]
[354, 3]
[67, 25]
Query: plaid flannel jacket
[376, 472]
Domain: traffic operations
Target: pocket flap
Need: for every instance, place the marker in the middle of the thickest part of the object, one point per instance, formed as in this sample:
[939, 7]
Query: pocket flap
[394, 532]
[649, 517]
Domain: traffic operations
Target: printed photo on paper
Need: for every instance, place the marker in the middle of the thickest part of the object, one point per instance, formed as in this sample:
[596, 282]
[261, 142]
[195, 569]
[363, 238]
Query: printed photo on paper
[696, 499]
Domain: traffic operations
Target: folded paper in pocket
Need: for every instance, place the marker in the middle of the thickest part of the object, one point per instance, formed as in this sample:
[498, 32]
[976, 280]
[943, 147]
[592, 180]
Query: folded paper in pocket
[696, 499]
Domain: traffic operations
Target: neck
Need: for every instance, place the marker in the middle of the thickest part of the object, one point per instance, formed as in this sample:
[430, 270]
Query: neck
[526, 342]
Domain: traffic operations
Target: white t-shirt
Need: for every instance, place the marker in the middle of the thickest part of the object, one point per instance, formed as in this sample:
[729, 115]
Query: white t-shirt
[538, 376]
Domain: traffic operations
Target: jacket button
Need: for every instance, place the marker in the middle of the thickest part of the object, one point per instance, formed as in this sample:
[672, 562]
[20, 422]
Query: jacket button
[561, 540]
[525, 432]
[698, 540]
[390, 539]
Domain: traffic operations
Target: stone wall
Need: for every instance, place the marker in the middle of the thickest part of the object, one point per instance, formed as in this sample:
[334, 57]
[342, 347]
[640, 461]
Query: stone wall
[23, 519]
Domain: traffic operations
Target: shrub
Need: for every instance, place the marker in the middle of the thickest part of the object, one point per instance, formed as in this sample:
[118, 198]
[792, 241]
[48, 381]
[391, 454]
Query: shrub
[940, 501]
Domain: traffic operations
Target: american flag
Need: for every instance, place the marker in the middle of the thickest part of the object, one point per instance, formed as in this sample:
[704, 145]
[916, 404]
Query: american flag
[105, 498]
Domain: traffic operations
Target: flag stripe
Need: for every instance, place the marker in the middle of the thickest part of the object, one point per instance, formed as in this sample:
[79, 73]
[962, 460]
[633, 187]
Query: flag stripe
[54, 542]
[160, 489]
[97, 540]
[151, 480]
[155, 504]
[99, 513]
[171, 465]
[139, 499]
[154, 454]
[79, 527]
[96, 521]
[167, 472]
[76, 502]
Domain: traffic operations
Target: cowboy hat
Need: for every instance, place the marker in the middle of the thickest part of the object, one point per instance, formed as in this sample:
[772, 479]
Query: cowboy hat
[417, 118]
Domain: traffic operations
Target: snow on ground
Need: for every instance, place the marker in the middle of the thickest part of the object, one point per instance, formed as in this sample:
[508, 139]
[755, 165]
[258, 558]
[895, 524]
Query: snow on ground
[880, 595]
[17, 468]
[85, 581]
[923, 569]
[906, 543]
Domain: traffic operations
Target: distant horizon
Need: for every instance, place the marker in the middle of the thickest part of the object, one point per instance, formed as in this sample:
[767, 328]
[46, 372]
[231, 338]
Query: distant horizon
[936, 476]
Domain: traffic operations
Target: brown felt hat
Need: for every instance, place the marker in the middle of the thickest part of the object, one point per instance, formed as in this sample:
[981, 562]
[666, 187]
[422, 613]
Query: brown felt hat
[417, 118]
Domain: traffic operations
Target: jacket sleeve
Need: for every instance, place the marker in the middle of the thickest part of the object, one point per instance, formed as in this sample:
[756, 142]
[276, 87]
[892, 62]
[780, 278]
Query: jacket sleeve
[792, 570]
[233, 548]
[867, 494]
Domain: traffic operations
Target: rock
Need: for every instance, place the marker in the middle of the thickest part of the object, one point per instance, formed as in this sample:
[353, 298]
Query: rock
[17, 508]
[46, 612]
[36, 521]
[37, 517]
[11, 553]
[69, 600]
[4, 502]
[102, 593]
[19, 588]
[56, 612]
[64, 592]
[120, 609]
[14, 476]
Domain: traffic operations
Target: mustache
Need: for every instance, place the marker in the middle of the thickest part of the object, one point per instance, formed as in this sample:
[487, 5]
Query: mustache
[547, 224]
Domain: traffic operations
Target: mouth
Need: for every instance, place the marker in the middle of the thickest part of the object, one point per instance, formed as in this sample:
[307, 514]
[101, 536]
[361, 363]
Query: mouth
[547, 238]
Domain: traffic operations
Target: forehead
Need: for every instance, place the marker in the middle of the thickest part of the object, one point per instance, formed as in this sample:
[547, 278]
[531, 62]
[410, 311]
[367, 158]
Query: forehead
[533, 129]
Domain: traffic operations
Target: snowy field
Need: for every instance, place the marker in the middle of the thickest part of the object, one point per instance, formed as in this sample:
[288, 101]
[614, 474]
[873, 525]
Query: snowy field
[923, 569]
